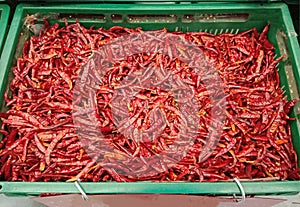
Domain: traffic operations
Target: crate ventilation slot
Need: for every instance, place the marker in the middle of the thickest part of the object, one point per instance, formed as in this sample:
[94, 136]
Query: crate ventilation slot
[73, 17]
[116, 18]
[236, 17]
[282, 44]
[151, 18]
[158, 18]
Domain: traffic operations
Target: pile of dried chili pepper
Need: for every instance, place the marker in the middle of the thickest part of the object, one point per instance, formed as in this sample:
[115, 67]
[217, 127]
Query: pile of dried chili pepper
[40, 142]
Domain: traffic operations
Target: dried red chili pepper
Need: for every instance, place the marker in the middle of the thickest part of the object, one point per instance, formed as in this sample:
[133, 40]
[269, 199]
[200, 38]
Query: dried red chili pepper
[39, 135]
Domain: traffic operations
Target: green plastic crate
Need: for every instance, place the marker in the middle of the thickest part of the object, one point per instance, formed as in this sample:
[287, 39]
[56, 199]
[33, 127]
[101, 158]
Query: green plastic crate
[4, 15]
[173, 17]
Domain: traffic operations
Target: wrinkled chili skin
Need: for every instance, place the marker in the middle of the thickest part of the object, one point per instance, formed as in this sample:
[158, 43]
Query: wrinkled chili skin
[40, 141]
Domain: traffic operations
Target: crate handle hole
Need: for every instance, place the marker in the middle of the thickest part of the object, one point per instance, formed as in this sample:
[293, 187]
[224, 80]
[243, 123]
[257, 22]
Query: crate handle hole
[0, 187]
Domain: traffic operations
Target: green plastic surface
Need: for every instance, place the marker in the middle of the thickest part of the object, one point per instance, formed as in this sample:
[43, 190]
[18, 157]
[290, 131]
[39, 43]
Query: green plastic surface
[219, 188]
[147, 1]
[230, 17]
[4, 15]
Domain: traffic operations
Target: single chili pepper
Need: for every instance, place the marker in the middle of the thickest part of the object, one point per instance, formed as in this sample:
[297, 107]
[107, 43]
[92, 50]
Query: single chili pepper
[53, 143]
[227, 148]
[289, 105]
[15, 144]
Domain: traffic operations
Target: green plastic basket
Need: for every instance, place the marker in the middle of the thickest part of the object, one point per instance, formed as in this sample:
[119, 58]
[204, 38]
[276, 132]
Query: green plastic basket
[4, 15]
[240, 16]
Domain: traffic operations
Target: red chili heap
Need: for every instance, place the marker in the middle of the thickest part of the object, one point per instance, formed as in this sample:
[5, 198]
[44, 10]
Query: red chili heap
[40, 141]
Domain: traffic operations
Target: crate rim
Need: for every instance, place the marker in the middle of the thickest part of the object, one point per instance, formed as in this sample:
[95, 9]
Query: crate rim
[148, 1]
[4, 16]
[204, 4]
[215, 188]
